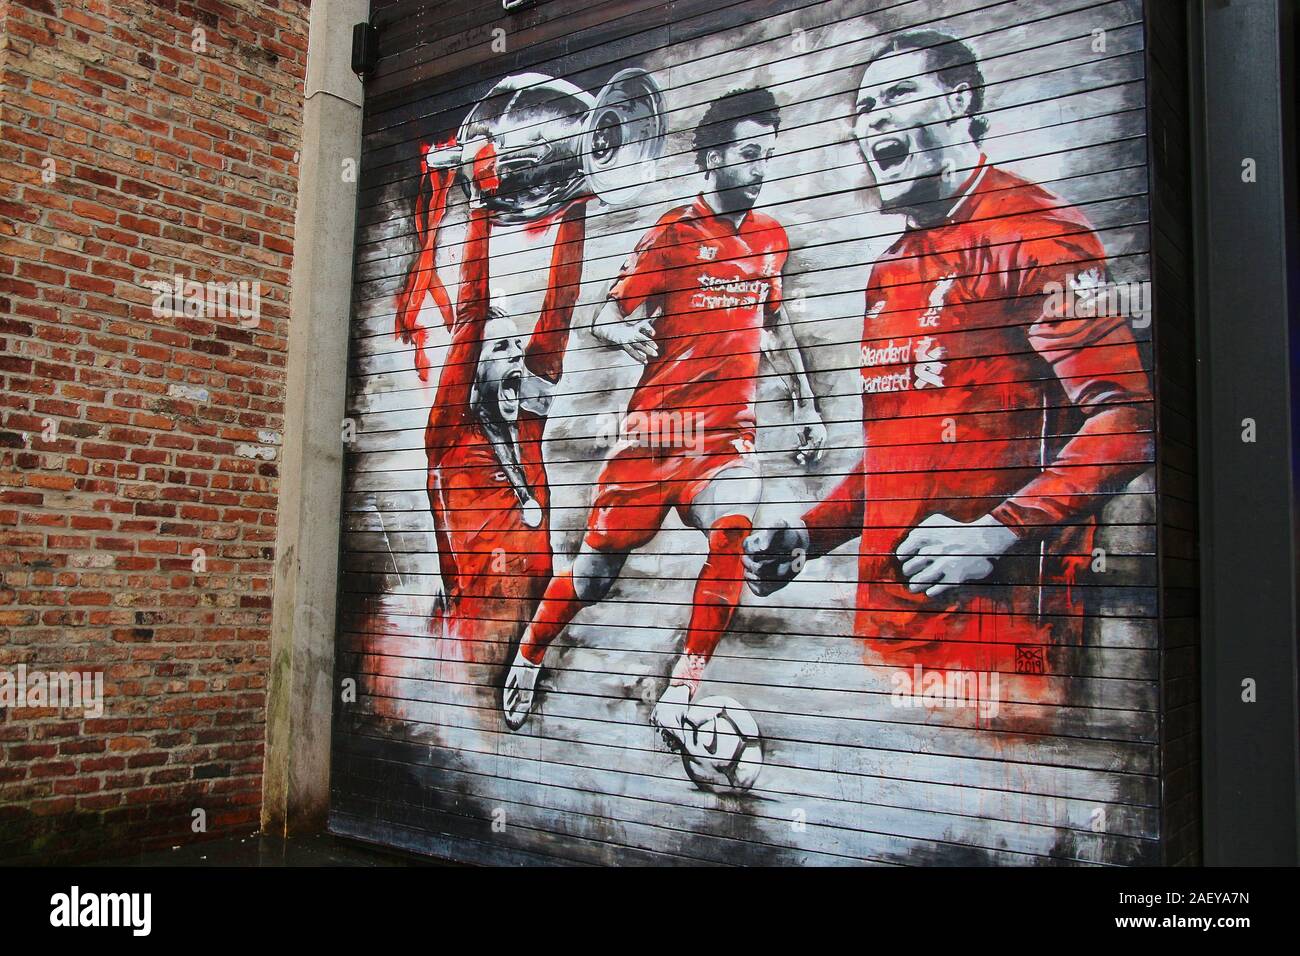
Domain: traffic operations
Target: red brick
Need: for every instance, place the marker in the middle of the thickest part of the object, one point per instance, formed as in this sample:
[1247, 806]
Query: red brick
[137, 477]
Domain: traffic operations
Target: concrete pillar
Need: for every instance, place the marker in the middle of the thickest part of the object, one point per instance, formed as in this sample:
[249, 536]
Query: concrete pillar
[295, 787]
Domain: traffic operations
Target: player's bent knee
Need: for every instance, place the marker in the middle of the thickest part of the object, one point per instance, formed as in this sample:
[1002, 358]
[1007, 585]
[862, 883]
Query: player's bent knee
[594, 574]
[738, 491]
[728, 533]
[591, 588]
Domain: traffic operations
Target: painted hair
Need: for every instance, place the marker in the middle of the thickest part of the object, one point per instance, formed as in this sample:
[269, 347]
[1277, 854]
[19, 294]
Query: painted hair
[496, 312]
[953, 60]
[718, 127]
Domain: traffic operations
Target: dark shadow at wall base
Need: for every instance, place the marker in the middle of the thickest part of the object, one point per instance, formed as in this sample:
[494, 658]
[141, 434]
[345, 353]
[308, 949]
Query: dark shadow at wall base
[259, 850]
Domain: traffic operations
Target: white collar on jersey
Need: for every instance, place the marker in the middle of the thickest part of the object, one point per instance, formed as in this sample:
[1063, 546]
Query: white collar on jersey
[972, 183]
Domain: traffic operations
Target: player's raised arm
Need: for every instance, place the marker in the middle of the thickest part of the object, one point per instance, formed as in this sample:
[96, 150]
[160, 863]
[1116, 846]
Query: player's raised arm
[451, 404]
[430, 207]
[544, 354]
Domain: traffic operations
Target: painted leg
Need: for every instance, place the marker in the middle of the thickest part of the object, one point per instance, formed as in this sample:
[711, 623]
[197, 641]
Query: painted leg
[725, 512]
[717, 594]
[568, 592]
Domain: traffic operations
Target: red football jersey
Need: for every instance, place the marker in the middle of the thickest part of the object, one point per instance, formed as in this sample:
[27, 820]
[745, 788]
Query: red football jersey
[714, 286]
[494, 553]
[977, 400]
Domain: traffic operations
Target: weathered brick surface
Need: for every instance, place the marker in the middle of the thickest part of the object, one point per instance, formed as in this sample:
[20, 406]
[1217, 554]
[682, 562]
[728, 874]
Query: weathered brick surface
[128, 439]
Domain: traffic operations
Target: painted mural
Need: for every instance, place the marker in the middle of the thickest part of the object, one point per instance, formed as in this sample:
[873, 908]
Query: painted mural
[753, 451]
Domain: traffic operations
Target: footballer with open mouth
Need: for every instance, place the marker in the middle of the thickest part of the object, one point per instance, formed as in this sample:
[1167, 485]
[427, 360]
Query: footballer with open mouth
[502, 387]
[501, 371]
[911, 129]
[508, 394]
[889, 155]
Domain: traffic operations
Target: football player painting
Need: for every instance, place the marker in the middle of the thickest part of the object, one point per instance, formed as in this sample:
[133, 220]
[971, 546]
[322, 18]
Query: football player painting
[486, 478]
[993, 427]
[698, 304]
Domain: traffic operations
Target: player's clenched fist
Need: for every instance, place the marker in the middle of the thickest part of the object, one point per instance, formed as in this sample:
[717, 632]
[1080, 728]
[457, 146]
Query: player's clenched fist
[773, 556]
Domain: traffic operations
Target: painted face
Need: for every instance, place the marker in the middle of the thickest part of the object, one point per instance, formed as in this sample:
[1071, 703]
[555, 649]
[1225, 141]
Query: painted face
[741, 165]
[907, 123]
[500, 372]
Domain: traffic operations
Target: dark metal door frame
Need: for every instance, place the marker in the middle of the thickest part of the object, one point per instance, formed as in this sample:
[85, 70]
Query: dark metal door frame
[1244, 108]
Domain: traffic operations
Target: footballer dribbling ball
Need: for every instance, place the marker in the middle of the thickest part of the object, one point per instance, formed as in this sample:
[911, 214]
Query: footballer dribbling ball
[724, 749]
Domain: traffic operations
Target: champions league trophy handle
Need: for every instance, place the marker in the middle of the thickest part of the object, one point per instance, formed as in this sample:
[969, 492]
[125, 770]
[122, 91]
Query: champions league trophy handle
[532, 512]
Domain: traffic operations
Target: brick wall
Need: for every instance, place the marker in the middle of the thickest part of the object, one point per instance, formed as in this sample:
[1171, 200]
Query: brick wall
[139, 450]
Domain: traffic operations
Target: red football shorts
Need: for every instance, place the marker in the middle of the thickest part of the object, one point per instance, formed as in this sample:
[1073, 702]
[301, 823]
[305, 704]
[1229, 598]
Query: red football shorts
[639, 486]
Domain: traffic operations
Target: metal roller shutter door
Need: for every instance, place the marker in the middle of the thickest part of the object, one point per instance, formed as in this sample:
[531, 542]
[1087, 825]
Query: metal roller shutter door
[1033, 734]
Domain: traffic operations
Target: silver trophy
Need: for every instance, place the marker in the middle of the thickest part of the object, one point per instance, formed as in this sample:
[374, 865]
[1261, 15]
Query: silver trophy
[555, 141]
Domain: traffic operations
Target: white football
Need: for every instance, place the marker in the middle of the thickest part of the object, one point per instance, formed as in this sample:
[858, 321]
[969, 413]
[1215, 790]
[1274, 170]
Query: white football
[724, 748]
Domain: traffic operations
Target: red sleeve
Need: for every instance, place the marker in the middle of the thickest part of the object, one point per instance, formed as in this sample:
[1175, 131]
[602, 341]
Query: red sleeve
[1098, 366]
[837, 518]
[451, 402]
[472, 296]
[436, 211]
[544, 355]
[643, 274]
